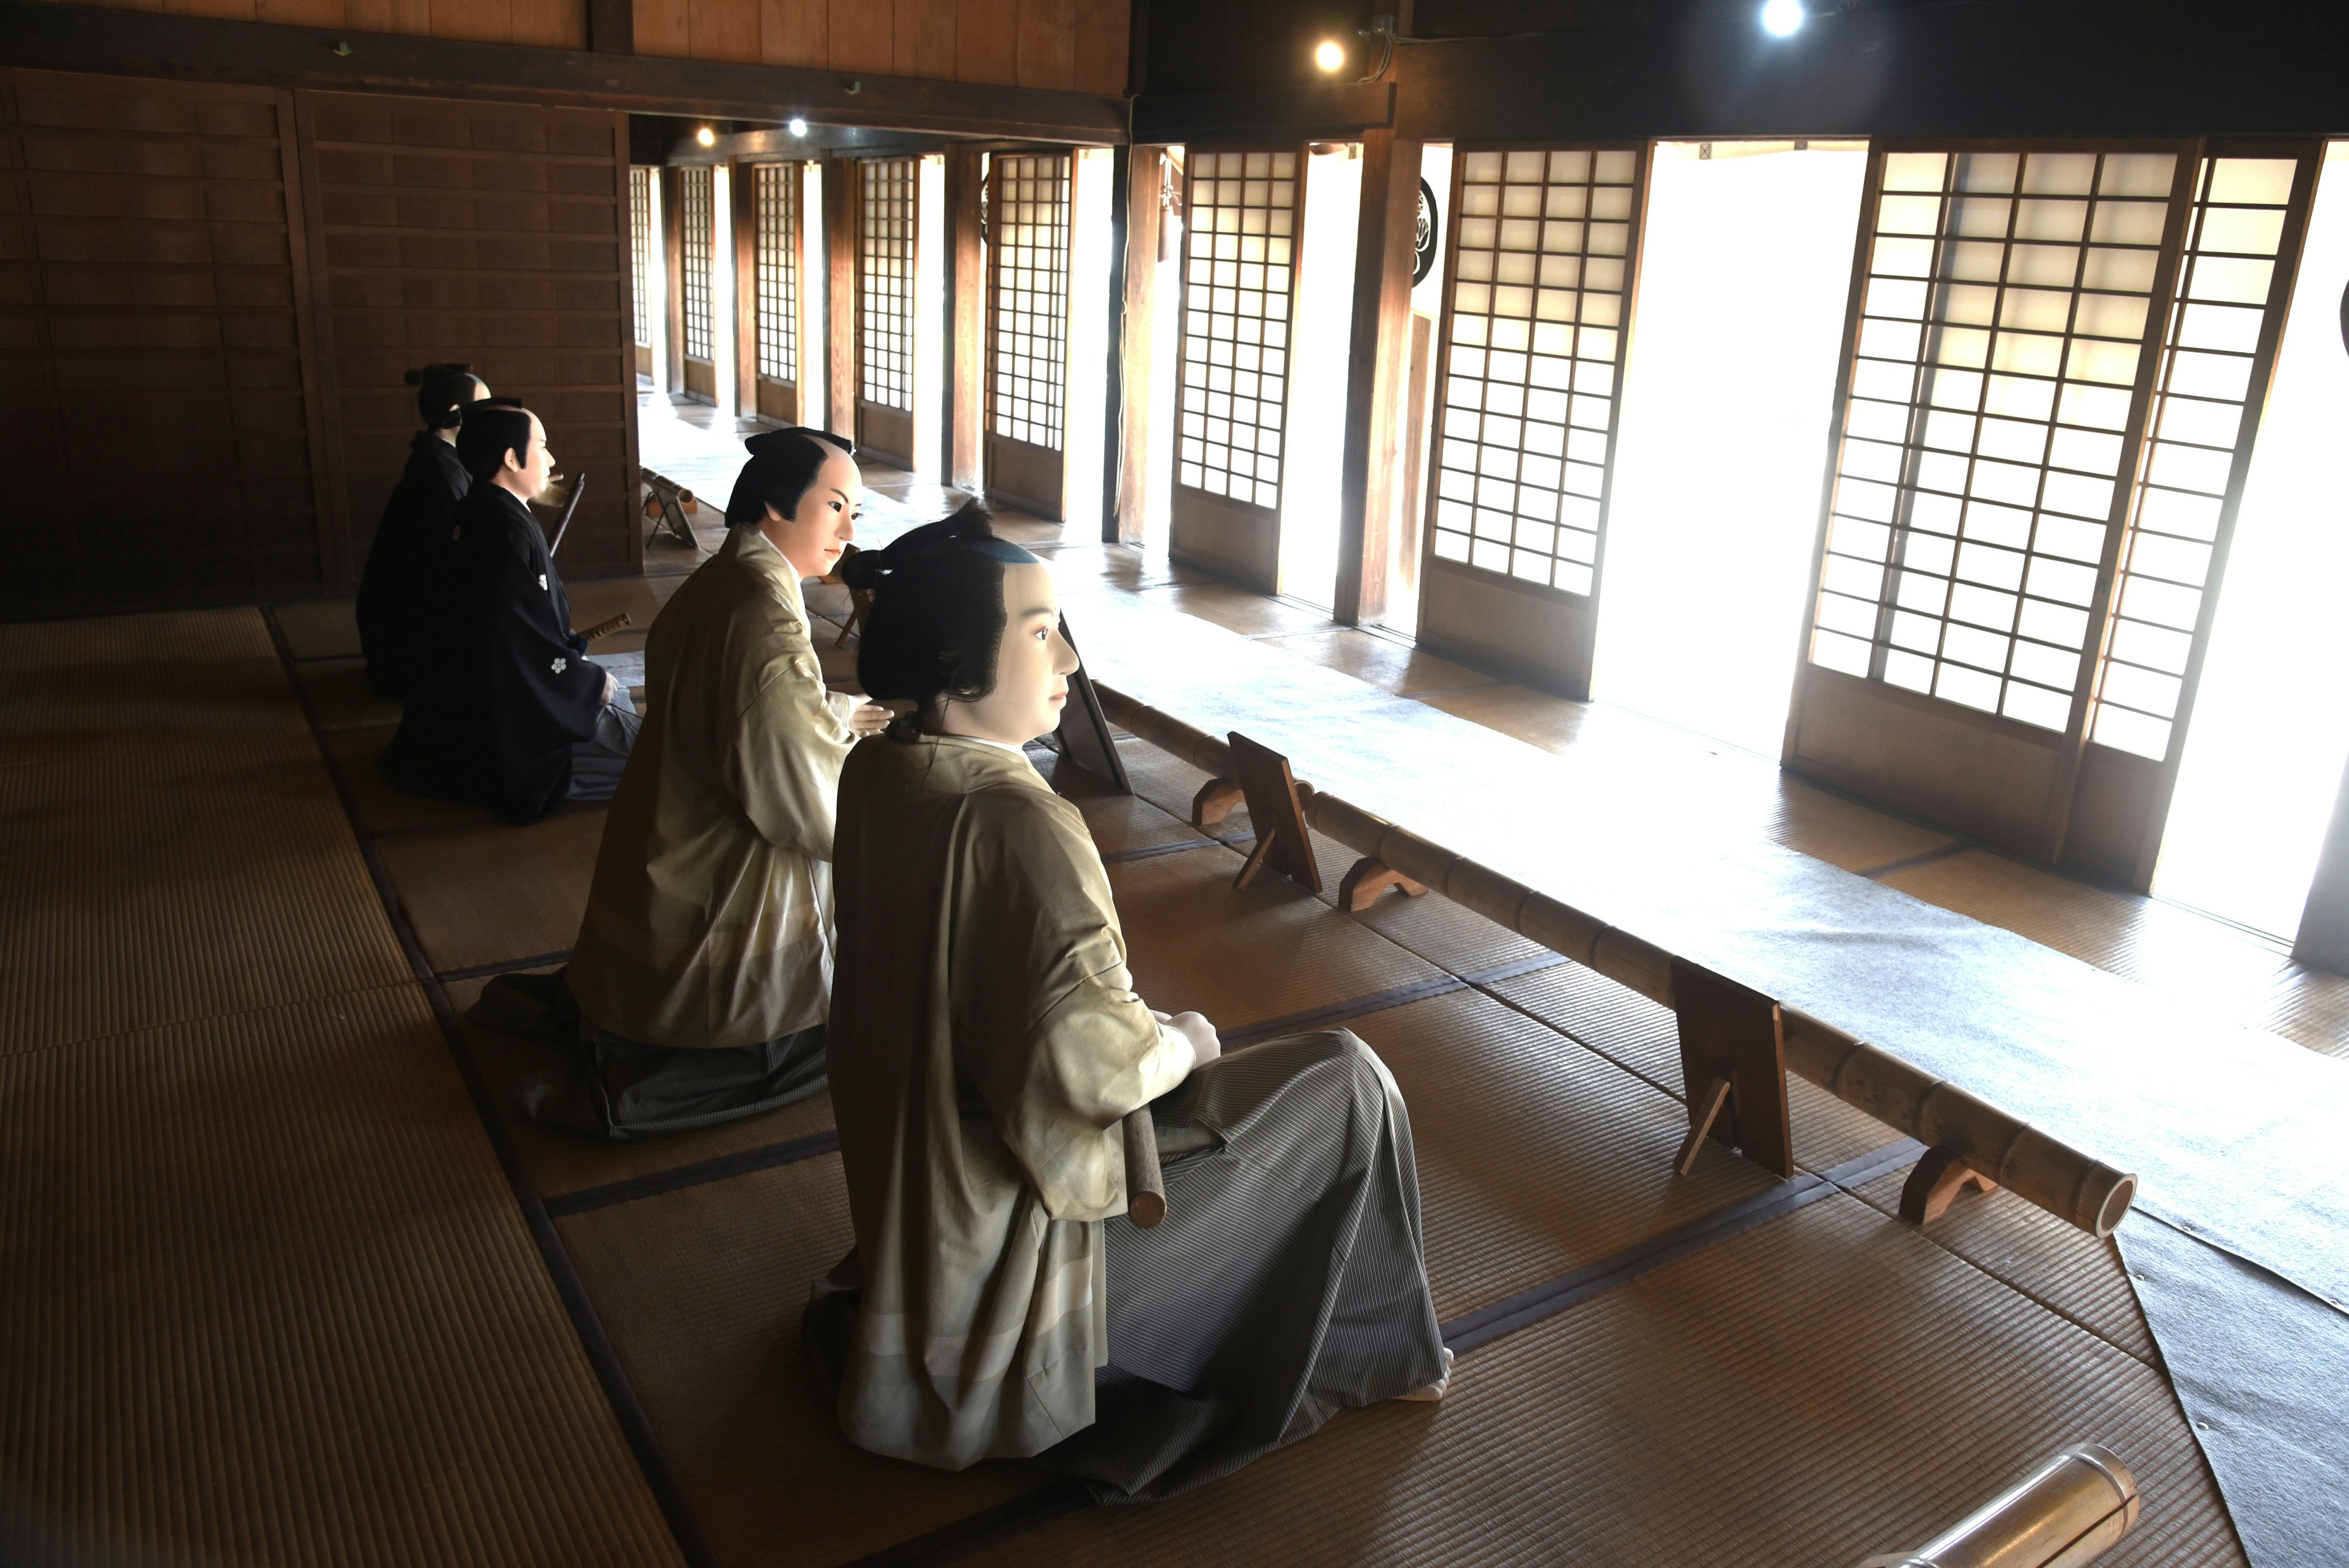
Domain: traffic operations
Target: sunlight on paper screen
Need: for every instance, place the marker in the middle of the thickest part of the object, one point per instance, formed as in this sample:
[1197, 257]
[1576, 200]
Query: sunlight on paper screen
[2265, 745]
[1744, 277]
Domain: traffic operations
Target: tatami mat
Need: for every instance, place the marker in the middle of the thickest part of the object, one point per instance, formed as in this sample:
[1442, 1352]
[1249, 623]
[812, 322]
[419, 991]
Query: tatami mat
[560, 1162]
[178, 881]
[339, 695]
[337, 1346]
[81, 690]
[496, 893]
[701, 1292]
[1438, 930]
[380, 808]
[1812, 1391]
[1614, 1020]
[1185, 922]
[2058, 1265]
[319, 628]
[1536, 1156]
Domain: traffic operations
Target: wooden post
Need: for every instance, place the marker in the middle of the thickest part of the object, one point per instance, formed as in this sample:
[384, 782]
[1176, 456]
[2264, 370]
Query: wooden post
[1370, 476]
[812, 404]
[743, 181]
[1127, 520]
[966, 306]
[672, 239]
[840, 293]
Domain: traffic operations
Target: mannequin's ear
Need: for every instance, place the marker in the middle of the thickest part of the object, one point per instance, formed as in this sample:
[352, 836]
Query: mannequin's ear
[515, 462]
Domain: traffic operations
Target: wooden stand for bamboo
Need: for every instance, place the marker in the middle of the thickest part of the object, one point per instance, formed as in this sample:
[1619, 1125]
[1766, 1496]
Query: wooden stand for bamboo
[1991, 1143]
[1281, 840]
[1733, 1070]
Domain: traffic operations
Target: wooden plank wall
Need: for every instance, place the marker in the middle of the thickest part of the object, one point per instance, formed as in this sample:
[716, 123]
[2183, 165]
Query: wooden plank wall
[493, 233]
[1075, 44]
[155, 412]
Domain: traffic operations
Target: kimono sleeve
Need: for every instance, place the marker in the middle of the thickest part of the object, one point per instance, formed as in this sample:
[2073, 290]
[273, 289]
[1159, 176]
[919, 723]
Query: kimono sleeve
[783, 762]
[543, 680]
[1055, 1040]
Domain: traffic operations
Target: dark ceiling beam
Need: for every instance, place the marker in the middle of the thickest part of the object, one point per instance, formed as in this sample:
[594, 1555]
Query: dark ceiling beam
[1955, 68]
[71, 37]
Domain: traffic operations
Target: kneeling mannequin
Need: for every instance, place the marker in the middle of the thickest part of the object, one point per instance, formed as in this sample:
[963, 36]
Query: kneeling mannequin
[986, 1041]
[696, 992]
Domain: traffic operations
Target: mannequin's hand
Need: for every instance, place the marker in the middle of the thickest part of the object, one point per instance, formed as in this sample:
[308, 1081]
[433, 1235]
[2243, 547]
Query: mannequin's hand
[611, 687]
[1205, 1045]
[867, 718]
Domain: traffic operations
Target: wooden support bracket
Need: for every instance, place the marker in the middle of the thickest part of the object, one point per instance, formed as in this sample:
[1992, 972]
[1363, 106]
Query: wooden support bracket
[1732, 1067]
[1281, 840]
[1370, 877]
[1215, 801]
[1939, 1176]
[1084, 732]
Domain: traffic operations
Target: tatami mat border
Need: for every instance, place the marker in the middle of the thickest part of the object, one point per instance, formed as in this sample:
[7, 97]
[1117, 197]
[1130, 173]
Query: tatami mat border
[635, 1425]
[652, 1183]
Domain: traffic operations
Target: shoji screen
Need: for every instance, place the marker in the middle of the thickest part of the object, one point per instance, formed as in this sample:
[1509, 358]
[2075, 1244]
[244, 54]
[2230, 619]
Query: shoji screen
[640, 255]
[698, 234]
[1028, 328]
[1244, 213]
[884, 307]
[775, 286]
[2012, 325]
[1537, 306]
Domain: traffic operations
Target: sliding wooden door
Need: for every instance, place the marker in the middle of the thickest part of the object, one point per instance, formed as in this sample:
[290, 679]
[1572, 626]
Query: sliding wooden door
[1028, 330]
[775, 201]
[886, 231]
[697, 245]
[1245, 213]
[2042, 428]
[1538, 301]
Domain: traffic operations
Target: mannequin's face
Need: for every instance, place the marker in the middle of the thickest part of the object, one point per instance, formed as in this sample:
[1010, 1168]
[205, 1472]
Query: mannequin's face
[528, 478]
[1032, 666]
[825, 520]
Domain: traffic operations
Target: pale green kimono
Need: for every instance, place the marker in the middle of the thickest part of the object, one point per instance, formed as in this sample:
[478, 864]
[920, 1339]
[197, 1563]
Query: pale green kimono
[708, 922]
[984, 1041]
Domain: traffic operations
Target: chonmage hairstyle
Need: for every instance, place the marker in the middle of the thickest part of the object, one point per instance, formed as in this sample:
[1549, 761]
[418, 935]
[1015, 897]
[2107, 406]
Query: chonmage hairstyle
[937, 619]
[784, 464]
[442, 391]
[493, 428]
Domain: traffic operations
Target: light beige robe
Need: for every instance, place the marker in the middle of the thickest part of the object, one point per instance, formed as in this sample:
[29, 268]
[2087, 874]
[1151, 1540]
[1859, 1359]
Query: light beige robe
[708, 923]
[985, 1040]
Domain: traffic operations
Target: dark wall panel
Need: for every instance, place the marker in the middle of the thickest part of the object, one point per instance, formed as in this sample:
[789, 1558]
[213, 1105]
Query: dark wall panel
[156, 388]
[496, 234]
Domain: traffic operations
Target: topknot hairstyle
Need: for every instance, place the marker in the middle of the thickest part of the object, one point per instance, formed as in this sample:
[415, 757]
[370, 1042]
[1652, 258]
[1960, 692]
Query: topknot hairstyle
[936, 620]
[784, 464]
[490, 429]
[442, 391]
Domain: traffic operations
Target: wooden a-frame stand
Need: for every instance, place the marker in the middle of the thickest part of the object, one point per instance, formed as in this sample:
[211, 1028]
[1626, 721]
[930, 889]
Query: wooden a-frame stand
[1733, 1069]
[1270, 790]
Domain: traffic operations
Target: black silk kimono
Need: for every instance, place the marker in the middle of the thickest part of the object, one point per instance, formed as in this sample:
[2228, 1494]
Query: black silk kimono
[399, 606]
[508, 689]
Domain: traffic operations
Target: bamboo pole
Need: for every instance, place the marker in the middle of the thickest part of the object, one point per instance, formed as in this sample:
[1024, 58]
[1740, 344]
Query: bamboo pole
[2078, 1190]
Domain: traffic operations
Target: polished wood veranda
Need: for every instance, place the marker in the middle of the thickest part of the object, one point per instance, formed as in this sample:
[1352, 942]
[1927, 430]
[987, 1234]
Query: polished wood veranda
[281, 1282]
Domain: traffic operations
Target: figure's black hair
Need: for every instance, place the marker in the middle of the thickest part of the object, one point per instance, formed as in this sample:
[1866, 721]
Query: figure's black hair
[936, 620]
[784, 464]
[442, 391]
[493, 428]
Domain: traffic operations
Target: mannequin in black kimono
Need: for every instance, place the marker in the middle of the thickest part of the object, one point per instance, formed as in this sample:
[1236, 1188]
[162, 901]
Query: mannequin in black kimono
[510, 714]
[399, 593]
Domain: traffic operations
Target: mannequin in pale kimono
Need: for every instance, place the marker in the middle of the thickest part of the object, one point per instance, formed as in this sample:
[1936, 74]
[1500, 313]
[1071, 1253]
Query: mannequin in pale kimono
[697, 991]
[986, 1041]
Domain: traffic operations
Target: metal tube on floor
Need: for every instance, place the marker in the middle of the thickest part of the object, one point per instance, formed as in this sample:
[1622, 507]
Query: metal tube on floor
[2068, 1512]
[2060, 1178]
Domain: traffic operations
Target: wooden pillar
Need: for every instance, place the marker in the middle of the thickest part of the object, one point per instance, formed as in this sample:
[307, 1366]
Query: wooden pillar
[840, 293]
[1371, 478]
[672, 239]
[965, 344]
[1124, 518]
[744, 180]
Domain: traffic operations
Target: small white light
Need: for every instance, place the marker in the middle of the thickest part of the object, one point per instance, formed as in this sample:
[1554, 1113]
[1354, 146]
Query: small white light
[708, 137]
[1782, 18]
[798, 125]
[1330, 55]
